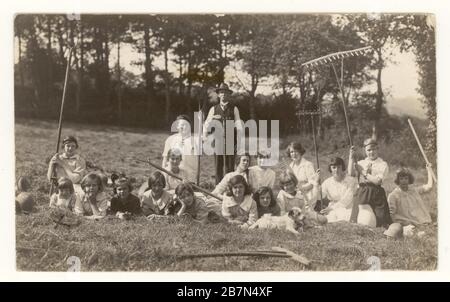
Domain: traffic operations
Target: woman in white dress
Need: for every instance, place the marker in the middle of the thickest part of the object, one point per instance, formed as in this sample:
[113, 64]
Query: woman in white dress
[338, 190]
[302, 169]
[184, 141]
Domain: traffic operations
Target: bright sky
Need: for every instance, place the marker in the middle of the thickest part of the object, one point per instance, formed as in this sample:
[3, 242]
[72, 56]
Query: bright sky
[400, 78]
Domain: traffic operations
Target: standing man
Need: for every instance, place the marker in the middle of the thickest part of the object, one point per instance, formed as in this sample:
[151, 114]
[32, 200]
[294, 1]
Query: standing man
[222, 112]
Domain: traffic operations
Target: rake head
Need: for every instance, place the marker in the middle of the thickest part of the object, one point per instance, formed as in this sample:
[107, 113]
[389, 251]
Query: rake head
[336, 56]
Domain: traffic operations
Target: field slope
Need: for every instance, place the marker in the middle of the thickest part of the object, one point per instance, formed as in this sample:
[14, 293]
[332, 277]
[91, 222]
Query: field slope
[142, 245]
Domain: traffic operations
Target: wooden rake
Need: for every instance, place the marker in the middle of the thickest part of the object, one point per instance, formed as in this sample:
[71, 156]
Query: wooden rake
[331, 59]
[277, 252]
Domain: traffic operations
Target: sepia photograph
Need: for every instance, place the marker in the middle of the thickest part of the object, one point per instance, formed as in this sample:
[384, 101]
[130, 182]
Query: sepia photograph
[231, 142]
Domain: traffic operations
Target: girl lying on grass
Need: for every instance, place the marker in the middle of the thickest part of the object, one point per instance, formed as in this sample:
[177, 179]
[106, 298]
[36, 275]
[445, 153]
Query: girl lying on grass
[155, 201]
[265, 202]
[186, 204]
[405, 203]
[93, 202]
[65, 197]
[124, 204]
[238, 206]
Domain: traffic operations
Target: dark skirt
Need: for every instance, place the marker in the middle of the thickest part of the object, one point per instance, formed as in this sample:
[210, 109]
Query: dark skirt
[375, 196]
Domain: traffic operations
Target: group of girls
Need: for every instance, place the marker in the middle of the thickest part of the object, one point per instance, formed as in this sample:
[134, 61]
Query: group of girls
[352, 193]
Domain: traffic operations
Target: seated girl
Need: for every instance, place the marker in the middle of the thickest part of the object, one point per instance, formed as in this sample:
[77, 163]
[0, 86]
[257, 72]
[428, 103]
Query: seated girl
[289, 196]
[265, 202]
[261, 175]
[124, 203]
[303, 170]
[65, 197]
[92, 202]
[338, 190]
[190, 205]
[238, 206]
[185, 142]
[242, 163]
[68, 164]
[156, 200]
[405, 203]
[173, 166]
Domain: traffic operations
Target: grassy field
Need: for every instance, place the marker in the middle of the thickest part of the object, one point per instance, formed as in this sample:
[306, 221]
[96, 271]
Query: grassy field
[142, 245]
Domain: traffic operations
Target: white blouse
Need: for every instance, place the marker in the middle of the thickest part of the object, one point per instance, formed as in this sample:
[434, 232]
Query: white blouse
[304, 171]
[379, 167]
[259, 177]
[340, 193]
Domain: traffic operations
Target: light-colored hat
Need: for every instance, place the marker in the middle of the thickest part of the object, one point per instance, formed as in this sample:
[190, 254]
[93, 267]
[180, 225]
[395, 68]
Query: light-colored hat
[395, 230]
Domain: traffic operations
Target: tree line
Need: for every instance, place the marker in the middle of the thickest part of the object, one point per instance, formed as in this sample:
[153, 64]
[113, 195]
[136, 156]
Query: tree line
[204, 48]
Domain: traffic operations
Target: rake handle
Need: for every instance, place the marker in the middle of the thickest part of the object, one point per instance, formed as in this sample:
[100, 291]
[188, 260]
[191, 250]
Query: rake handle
[53, 178]
[421, 149]
[178, 177]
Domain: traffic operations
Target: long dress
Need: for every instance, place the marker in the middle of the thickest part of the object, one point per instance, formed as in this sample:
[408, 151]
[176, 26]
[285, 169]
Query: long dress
[371, 195]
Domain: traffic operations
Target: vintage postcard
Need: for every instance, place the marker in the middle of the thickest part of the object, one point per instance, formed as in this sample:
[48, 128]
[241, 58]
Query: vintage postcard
[226, 141]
